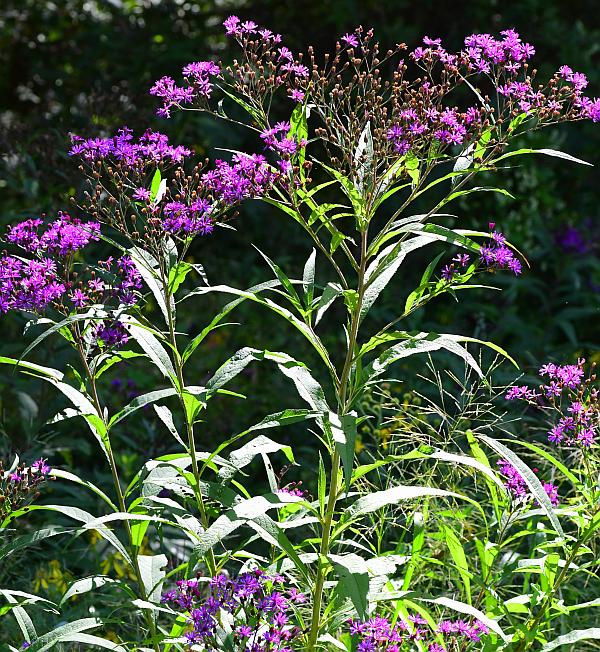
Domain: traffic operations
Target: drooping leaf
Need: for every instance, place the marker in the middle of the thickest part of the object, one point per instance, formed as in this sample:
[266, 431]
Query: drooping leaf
[532, 481]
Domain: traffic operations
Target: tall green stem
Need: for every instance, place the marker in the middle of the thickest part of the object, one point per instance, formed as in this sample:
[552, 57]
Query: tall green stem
[120, 496]
[342, 394]
[189, 420]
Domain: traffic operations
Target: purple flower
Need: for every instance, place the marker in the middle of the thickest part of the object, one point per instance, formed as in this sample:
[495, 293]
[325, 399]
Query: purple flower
[248, 176]
[141, 194]
[172, 95]
[111, 334]
[351, 40]
[296, 94]
[79, 299]
[41, 466]
[152, 147]
[232, 26]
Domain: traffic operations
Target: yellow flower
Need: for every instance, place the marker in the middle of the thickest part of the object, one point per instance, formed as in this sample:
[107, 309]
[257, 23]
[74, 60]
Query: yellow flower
[51, 576]
[358, 445]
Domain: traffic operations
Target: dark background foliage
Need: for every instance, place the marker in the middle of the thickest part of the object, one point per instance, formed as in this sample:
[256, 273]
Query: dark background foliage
[85, 66]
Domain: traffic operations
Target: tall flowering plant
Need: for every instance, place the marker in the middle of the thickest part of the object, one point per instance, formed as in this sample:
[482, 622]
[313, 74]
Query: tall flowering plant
[346, 146]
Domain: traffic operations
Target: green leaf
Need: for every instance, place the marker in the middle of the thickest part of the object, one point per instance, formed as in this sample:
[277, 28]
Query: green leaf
[141, 401]
[378, 499]
[353, 576]
[283, 279]
[196, 341]
[149, 269]
[416, 546]
[515, 122]
[363, 159]
[331, 292]
[25, 540]
[535, 486]
[343, 433]
[384, 267]
[155, 185]
[458, 556]
[573, 637]
[548, 152]
[308, 278]
[151, 347]
[96, 641]
[67, 475]
[469, 191]
[81, 516]
[153, 573]
[243, 456]
[306, 385]
[47, 641]
[415, 295]
[82, 403]
[166, 416]
[420, 343]
[306, 330]
[177, 275]
[88, 584]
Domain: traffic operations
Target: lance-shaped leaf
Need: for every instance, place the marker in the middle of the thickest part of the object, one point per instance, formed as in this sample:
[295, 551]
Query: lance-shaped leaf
[547, 152]
[308, 388]
[593, 633]
[243, 456]
[353, 574]
[87, 584]
[150, 345]
[149, 270]
[79, 400]
[532, 481]
[342, 430]
[378, 499]
[70, 630]
[363, 158]
[381, 271]
[421, 343]
[304, 328]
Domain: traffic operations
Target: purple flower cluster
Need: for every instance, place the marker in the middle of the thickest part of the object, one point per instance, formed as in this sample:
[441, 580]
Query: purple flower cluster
[378, 635]
[294, 489]
[187, 220]
[64, 236]
[152, 147]
[447, 126]
[571, 396]
[247, 177]
[33, 285]
[497, 255]
[260, 609]
[198, 76]
[20, 486]
[517, 486]
[450, 271]
[235, 27]
[277, 142]
[28, 285]
[504, 58]
[484, 51]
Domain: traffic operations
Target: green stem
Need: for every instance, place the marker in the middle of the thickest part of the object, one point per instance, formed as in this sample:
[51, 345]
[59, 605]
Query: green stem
[335, 462]
[133, 549]
[189, 422]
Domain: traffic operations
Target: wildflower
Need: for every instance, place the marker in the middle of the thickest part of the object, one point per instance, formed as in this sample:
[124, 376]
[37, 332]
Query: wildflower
[351, 40]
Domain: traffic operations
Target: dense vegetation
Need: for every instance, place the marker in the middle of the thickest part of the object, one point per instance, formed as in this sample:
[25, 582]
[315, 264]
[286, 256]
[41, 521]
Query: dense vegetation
[407, 475]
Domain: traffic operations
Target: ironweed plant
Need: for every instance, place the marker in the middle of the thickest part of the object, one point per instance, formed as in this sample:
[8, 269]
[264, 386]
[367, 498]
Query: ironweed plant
[351, 144]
